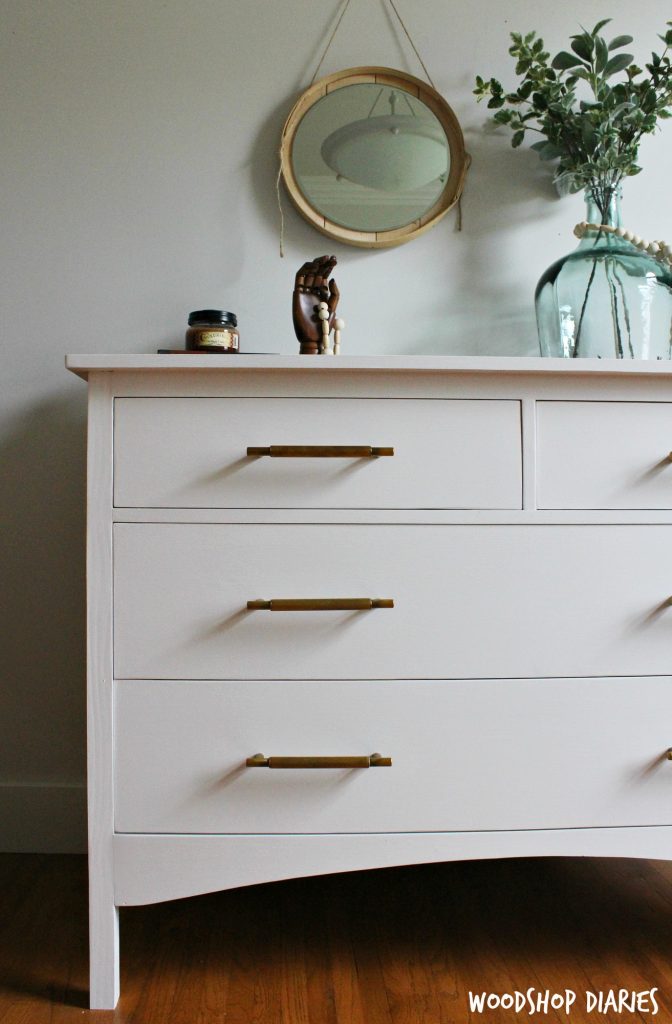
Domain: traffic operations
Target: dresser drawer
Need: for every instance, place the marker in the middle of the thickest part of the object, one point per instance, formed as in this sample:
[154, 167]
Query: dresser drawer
[604, 455]
[465, 755]
[502, 601]
[192, 452]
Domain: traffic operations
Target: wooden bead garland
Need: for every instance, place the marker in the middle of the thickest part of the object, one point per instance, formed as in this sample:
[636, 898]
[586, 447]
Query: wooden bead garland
[660, 250]
[323, 314]
[338, 327]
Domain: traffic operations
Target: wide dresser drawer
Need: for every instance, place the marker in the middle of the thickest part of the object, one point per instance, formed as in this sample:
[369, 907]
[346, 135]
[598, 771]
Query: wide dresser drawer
[604, 455]
[474, 754]
[468, 601]
[193, 452]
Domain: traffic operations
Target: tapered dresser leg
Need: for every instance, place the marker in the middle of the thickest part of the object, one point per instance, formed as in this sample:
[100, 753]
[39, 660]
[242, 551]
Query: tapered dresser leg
[103, 914]
[104, 955]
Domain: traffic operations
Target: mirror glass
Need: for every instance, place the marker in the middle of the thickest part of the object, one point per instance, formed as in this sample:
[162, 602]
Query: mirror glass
[370, 157]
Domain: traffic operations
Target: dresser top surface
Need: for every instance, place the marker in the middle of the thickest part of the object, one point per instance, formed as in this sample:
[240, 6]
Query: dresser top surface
[83, 365]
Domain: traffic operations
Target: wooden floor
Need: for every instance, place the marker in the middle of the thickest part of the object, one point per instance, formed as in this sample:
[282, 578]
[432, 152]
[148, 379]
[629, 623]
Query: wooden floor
[404, 945]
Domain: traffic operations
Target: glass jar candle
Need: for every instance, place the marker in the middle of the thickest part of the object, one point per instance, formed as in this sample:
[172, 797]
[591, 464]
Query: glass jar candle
[212, 330]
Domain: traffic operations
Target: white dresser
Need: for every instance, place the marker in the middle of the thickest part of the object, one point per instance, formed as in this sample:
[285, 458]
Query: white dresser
[349, 613]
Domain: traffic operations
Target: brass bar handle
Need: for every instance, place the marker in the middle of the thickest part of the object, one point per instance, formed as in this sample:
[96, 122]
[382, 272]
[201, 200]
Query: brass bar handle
[321, 604]
[372, 761]
[320, 451]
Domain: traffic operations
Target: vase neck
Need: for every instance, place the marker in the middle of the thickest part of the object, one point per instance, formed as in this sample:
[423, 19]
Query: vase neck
[603, 206]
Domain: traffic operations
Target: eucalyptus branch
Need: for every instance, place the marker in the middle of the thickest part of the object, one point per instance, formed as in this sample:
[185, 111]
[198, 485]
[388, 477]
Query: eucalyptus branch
[593, 142]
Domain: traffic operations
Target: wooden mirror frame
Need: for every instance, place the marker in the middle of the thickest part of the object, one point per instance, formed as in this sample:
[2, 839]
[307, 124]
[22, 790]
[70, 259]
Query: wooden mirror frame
[459, 158]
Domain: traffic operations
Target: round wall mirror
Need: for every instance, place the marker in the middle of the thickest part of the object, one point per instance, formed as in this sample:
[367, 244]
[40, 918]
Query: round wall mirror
[373, 157]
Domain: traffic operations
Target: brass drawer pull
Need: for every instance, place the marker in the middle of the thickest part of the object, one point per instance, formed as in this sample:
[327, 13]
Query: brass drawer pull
[374, 761]
[321, 604]
[321, 451]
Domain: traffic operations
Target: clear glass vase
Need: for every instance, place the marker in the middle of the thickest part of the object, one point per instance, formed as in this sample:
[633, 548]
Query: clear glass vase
[607, 299]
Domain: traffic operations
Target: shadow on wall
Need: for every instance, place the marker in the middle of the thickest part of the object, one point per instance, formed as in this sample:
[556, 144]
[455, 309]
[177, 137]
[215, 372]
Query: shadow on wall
[42, 541]
[508, 196]
[264, 167]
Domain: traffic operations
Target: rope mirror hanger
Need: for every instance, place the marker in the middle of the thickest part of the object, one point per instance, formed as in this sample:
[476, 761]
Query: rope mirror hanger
[372, 156]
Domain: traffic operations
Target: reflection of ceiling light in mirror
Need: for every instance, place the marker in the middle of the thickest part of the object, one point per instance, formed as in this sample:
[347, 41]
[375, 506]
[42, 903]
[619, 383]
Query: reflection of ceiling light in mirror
[397, 151]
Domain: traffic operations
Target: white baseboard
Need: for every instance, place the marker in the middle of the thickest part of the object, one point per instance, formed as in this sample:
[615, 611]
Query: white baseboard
[42, 818]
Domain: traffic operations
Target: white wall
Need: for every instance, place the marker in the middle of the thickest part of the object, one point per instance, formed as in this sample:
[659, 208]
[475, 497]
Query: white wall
[139, 143]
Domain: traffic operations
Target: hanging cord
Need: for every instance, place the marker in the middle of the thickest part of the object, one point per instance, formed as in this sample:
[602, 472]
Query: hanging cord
[278, 192]
[330, 40]
[280, 209]
[415, 49]
[401, 22]
[467, 165]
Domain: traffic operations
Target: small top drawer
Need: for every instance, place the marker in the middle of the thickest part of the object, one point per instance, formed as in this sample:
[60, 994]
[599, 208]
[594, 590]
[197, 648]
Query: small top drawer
[193, 453]
[604, 455]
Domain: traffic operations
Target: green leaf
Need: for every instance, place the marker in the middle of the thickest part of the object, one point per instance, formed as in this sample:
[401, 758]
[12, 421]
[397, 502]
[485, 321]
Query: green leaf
[517, 139]
[588, 136]
[620, 41]
[648, 102]
[563, 60]
[618, 63]
[600, 25]
[550, 152]
[583, 45]
[601, 54]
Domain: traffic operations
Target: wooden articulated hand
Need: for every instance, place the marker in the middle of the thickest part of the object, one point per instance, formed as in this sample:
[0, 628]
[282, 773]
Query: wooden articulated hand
[312, 286]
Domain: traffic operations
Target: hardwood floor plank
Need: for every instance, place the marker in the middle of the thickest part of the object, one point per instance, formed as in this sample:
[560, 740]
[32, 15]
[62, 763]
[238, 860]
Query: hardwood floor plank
[398, 946]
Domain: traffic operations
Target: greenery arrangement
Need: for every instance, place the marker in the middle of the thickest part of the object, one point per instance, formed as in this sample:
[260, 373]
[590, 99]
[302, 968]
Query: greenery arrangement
[591, 105]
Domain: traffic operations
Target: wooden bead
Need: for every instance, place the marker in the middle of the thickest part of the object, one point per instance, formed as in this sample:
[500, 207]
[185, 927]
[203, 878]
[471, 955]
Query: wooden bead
[323, 314]
[322, 305]
[339, 324]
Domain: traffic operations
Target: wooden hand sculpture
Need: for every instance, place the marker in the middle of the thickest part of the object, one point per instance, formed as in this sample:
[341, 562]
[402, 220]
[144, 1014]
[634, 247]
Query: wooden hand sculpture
[312, 286]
